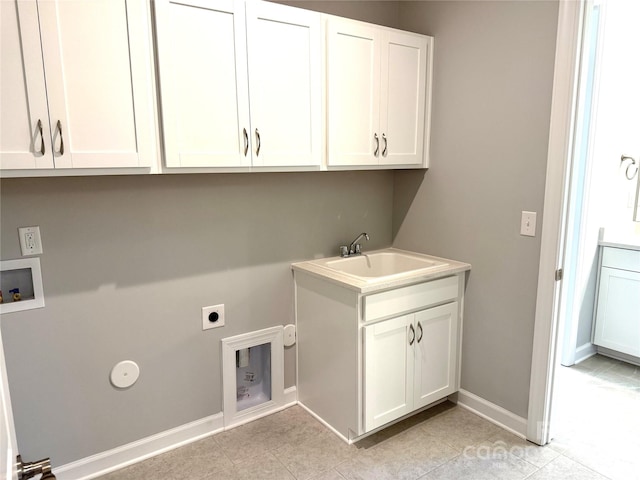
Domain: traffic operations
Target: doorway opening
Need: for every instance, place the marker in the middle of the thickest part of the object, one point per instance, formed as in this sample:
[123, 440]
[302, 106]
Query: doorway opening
[596, 392]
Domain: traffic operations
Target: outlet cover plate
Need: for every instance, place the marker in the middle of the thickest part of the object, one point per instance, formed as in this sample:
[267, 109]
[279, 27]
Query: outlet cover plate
[208, 316]
[30, 241]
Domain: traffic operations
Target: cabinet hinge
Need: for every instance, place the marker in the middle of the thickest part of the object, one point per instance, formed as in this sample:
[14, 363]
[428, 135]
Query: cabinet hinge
[559, 274]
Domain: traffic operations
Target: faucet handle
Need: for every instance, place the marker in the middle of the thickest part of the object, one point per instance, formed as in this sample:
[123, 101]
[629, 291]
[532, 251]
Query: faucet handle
[358, 249]
[344, 251]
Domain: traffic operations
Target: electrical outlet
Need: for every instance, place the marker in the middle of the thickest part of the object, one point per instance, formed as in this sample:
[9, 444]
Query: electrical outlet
[213, 316]
[30, 241]
[528, 224]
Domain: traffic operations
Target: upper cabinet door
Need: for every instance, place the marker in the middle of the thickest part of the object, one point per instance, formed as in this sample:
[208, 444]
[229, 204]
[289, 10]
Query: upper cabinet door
[203, 83]
[403, 93]
[353, 64]
[285, 62]
[25, 139]
[98, 72]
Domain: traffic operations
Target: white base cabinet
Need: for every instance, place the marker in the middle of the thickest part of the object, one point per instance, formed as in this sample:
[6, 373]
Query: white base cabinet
[617, 319]
[365, 360]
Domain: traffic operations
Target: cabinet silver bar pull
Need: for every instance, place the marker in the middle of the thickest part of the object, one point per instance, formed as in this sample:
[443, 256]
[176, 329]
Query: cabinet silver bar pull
[413, 334]
[42, 149]
[421, 332]
[258, 140]
[59, 128]
[375, 136]
[384, 150]
[246, 141]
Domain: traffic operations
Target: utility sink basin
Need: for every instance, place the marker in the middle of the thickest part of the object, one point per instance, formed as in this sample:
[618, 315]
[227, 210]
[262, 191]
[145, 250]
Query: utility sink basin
[382, 264]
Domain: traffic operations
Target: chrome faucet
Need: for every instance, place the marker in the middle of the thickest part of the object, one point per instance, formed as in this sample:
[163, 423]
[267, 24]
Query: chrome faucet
[354, 247]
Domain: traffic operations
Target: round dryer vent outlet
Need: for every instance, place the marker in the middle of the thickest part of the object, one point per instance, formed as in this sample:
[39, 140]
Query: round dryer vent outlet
[125, 374]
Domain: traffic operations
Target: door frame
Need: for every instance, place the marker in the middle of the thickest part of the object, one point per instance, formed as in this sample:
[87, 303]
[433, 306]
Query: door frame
[552, 251]
[7, 431]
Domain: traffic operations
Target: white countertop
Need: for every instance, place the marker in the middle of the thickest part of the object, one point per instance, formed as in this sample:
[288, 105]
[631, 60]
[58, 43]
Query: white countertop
[352, 282]
[621, 236]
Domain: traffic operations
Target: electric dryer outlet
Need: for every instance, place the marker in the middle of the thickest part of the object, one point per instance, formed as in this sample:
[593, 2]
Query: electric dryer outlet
[213, 316]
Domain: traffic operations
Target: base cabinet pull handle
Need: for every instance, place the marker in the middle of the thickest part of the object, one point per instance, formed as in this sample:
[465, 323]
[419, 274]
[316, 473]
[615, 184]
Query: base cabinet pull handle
[413, 334]
[421, 332]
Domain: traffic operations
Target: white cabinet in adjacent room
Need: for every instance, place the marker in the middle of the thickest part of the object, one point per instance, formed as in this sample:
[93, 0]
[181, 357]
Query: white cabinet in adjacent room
[379, 82]
[76, 85]
[617, 320]
[239, 88]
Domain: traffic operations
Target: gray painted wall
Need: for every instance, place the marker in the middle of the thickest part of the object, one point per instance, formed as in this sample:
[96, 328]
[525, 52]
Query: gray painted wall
[128, 263]
[378, 12]
[493, 75]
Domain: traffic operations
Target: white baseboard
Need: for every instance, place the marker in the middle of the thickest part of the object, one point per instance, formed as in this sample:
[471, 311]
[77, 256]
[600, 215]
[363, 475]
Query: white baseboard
[585, 351]
[134, 452]
[494, 413]
[290, 396]
[120, 457]
[321, 420]
[619, 356]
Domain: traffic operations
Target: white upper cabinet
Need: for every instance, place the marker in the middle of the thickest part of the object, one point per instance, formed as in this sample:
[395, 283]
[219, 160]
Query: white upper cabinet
[76, 85]
[353, 93]
[285, 61]
[403, 98]
[25, 139]
[239, 89]
[378, 94]
[203, 83]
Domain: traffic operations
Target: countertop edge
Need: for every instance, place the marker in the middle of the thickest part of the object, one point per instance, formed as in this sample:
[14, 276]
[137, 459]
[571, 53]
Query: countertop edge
[453, 267]
[625, 246]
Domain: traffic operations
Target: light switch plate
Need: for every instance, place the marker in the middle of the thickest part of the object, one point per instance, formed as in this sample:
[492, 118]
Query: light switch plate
[30, 241]
[528, 224]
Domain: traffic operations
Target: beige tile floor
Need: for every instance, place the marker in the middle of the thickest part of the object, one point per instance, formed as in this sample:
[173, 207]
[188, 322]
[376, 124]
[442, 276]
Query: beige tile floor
[598, 416]
[445, 442]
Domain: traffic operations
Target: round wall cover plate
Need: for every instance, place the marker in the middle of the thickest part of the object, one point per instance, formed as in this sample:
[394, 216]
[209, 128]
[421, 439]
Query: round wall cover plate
[125, 374]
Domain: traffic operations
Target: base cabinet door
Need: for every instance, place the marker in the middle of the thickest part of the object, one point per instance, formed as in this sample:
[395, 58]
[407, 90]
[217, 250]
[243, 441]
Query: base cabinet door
[409, 362]
[388, 370]
[435, 354]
